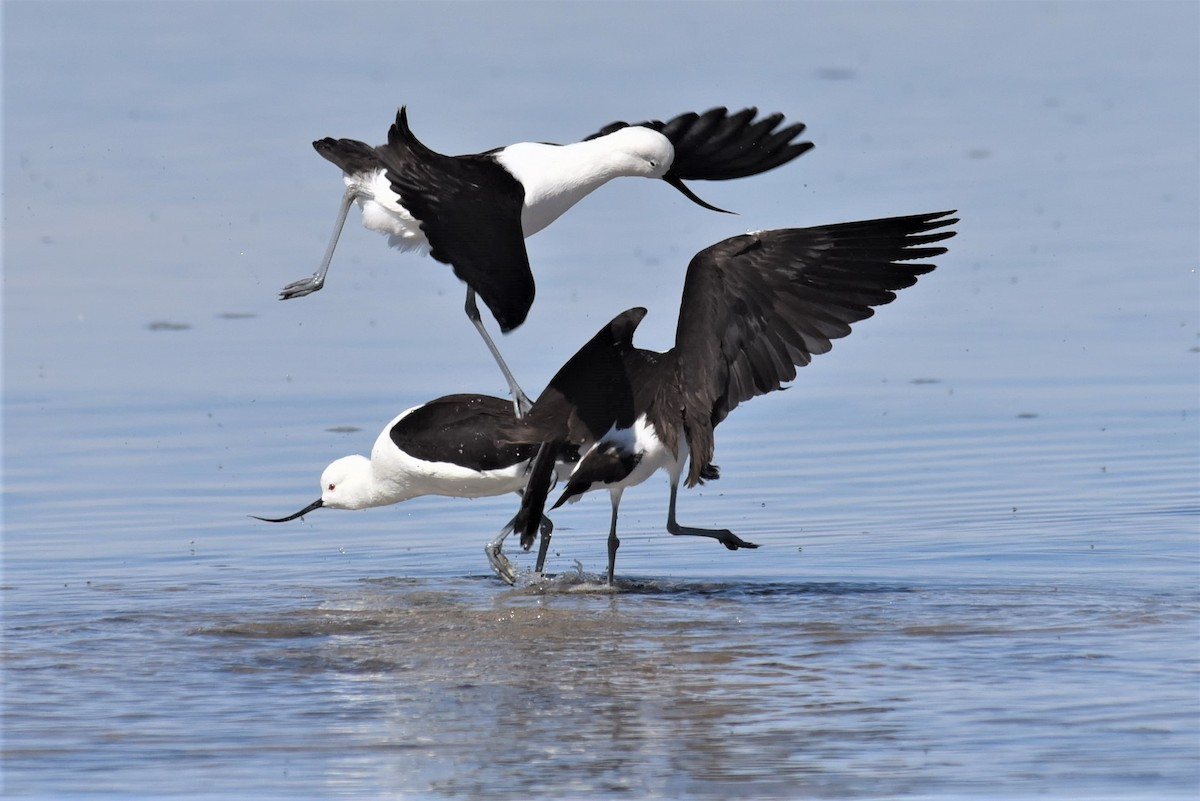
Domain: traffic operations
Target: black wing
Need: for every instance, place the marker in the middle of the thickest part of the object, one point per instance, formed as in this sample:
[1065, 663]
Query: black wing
[587, 396]
[757, 306]
[717, 145]
[470, 211]
[461, 430]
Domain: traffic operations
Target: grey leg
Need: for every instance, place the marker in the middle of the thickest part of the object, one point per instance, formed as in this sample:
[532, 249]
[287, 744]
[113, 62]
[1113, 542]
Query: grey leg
[724, 536]
[496, 558]
[521, 402]
[494, 551]
[613, 542]
[306, 286]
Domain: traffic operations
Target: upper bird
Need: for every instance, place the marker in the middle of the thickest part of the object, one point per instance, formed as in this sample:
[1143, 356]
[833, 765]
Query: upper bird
[754, 308]
[474, 212]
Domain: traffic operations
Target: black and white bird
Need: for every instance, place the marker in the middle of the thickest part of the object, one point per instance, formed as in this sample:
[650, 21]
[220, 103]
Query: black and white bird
[447, 446]
[474, 212]
[754, 308]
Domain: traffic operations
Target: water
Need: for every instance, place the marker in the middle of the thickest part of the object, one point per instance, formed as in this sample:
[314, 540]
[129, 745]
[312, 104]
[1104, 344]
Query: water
[978, 515]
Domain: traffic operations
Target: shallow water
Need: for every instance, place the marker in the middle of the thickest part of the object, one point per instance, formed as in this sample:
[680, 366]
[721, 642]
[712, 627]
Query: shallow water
[913, 647]
[979, 517]
[681, 688]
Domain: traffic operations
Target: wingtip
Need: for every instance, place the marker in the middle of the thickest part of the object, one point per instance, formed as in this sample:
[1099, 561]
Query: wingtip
[509, 312]
[717, 145]
[621, 328]
[400, 126]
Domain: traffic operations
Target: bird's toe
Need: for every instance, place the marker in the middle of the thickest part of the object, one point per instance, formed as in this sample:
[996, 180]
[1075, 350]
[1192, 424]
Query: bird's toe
[500, 564]
[298, 289]
[733, 541]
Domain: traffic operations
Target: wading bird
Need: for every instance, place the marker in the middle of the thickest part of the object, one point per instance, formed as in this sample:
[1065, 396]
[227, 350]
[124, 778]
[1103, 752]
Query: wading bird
[754, 308]
[447, 446]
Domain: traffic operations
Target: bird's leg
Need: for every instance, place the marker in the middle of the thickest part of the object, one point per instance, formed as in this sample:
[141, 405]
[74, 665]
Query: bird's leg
[724, 536]
[521, 402]
[613, 542]
[500, 563]
[496, 558]
[306, 286]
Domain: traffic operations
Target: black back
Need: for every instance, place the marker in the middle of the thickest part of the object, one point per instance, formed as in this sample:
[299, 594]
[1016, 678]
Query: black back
[461, 430]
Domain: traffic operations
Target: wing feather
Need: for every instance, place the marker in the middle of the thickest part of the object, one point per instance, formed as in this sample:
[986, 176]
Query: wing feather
[477, 233]
[718, 146]
[757, 306]
[460, 429]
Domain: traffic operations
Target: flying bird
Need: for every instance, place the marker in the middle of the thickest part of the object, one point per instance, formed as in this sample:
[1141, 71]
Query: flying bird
[754, 308]
[474, 212]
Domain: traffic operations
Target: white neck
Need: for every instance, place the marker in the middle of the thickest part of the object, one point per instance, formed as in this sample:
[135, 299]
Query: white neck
[556, 177]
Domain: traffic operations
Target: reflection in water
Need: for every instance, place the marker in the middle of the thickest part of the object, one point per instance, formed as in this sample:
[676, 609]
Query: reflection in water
[587, 694]
[673, 688]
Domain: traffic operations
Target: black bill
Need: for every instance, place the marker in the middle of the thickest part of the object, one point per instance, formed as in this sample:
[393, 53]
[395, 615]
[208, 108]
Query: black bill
[678, 183]
[317, 504]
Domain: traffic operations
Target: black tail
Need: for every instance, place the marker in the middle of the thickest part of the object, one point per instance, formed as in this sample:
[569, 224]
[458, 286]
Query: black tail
[537, 491]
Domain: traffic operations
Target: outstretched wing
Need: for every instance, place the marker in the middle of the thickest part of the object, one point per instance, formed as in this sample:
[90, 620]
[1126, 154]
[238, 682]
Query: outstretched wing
[759, 305]
[470, 211]
[585, 398]
[717, 145]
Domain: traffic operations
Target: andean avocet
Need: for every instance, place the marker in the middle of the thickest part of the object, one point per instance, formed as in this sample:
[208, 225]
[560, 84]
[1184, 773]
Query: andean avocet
[474, 212]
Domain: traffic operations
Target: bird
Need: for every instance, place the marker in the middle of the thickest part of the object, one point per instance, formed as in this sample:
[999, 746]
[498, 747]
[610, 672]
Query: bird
[754, 308]
[474, 211]
[445, 446]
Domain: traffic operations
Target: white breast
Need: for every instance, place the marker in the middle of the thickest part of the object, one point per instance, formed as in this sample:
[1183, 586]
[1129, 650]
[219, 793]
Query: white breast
[641, 439]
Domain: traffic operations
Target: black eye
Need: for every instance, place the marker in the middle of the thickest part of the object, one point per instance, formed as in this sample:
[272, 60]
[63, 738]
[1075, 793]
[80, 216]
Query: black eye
[332, 487]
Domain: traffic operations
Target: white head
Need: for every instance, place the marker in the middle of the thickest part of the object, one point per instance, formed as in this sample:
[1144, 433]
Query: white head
[648, 153]
[348, 483]
[640, 151]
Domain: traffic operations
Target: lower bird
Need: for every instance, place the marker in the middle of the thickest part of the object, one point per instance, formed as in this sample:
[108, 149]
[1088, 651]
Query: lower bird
[474, 212]
[447, 446]
[755, 307]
